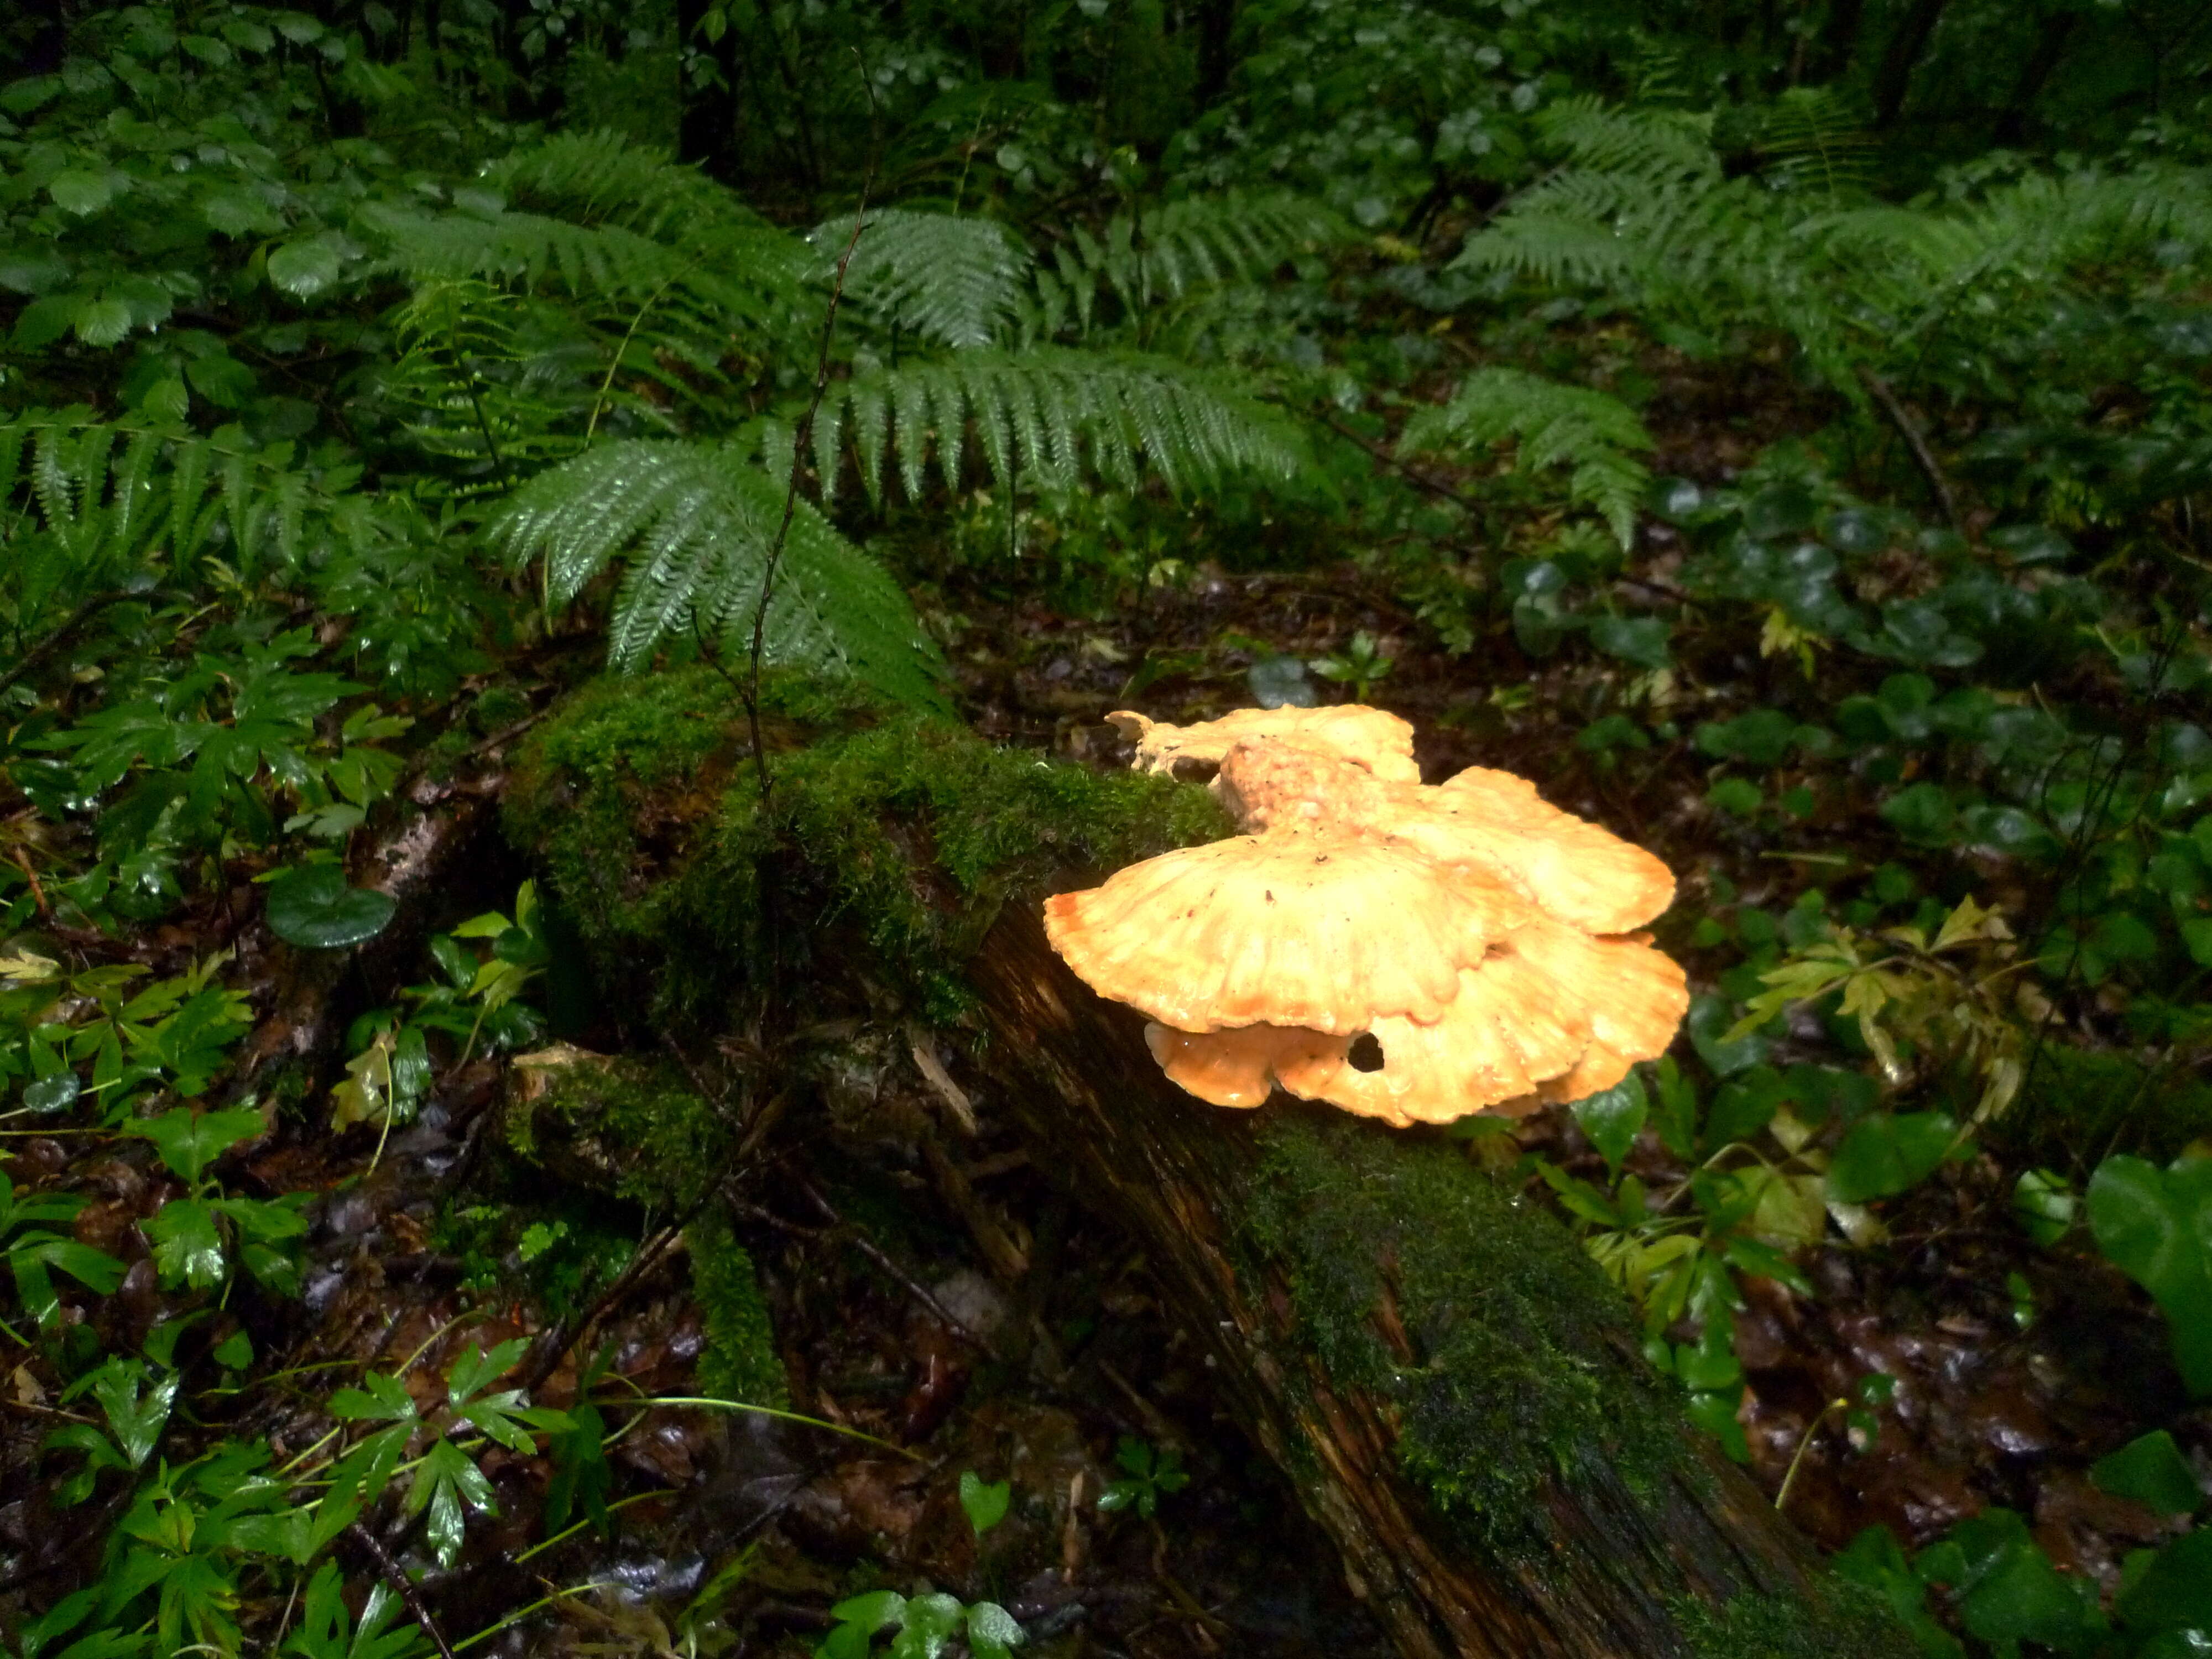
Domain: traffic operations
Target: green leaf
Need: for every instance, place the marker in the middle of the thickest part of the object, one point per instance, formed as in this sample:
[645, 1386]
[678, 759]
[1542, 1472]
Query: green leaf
[1762, 738]
[381, 1398]
[1738, 797]
[2151, 1470]
[189, 1141]
[81, 193]
[102, 322]
[875, 1611]
[187, 1244]
[2175, 1593]
[931, 1622]
[1639, 640]
[2010, 1592]
[1677, 1117]
[312, 907]
[1883, 1156]
[56, 1093]
[1875, 1561]
[992, 1632]
[2156, 1226]
[1715, 1414]
[306, 268]
[1612, 1119]
[1708, 1026]
[476, 1370]
[2044, 1205]
[983, 1502]
[137, 1407]
[1921, 812]
[450, 1484]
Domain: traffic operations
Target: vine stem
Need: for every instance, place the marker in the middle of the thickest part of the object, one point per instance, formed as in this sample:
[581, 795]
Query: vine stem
[802, 435]
[1804, 1445]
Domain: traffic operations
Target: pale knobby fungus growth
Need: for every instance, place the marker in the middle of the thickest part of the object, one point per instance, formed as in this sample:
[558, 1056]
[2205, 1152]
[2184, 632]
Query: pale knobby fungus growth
[1406, 952]
[1376, 741]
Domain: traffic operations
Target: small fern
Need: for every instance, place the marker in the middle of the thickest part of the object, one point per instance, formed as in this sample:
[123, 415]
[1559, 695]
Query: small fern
[87, 501]
[1588, 432]
[1051, 416]
[694, 524]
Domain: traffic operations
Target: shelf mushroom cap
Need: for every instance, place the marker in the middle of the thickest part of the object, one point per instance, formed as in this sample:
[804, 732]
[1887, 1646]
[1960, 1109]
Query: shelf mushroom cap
[1329, 930]
[1408, 953]
[1573, 869]
[1378, 743]
[1551, 1016]
[1507, 1030]
[1238, 1067]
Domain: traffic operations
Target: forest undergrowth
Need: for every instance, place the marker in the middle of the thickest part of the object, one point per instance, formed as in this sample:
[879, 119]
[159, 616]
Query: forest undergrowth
[1786, 440]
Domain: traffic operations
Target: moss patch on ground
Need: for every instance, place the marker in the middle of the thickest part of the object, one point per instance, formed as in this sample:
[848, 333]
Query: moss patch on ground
[1854, 1622]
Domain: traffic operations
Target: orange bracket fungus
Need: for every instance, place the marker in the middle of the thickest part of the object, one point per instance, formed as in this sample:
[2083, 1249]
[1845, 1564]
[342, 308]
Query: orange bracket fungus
[1406, 952]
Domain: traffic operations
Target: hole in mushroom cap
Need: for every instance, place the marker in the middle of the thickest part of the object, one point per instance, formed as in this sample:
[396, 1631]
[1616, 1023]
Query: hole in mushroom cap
[1365, 1053]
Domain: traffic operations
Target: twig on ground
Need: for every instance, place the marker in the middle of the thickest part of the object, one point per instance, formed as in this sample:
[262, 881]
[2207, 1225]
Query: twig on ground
[1916, 441]
[390, 1571]
[868, 1248]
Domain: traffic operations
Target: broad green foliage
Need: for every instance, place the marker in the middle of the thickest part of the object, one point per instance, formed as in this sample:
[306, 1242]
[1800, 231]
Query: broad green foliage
[349, 360]
[2002, 1588]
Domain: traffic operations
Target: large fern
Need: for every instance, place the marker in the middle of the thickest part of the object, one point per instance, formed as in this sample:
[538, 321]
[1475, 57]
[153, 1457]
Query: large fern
[948, 313]
[1595, 435]
[695, 524]
[1640, 207]
[610, 224]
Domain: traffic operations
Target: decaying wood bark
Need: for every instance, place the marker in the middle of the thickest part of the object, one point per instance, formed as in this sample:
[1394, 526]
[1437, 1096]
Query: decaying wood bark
[1074, 1072]
[1457, 1397]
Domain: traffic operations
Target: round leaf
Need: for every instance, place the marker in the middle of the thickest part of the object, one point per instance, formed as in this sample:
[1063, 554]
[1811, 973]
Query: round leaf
[1882, 1155]
[312, 906]
[52, 1094]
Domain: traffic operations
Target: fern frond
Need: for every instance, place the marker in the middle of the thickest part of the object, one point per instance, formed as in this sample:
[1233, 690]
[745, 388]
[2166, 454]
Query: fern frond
[1653, 145]
[1166, 251]
[601, 219]
[1054, 417]
[1590, 433]
[604, 179]
[1814, 141]
[692, 524]
[956, 282]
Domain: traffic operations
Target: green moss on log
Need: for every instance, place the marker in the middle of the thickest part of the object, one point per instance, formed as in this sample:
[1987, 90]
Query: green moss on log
[634, 1130]
[904, 832]
[739, 1361]
[1502, 1348]
[1848, 1622]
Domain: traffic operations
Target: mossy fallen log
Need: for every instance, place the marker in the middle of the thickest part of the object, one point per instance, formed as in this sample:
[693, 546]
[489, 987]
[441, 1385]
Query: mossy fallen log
[1454, 1391]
